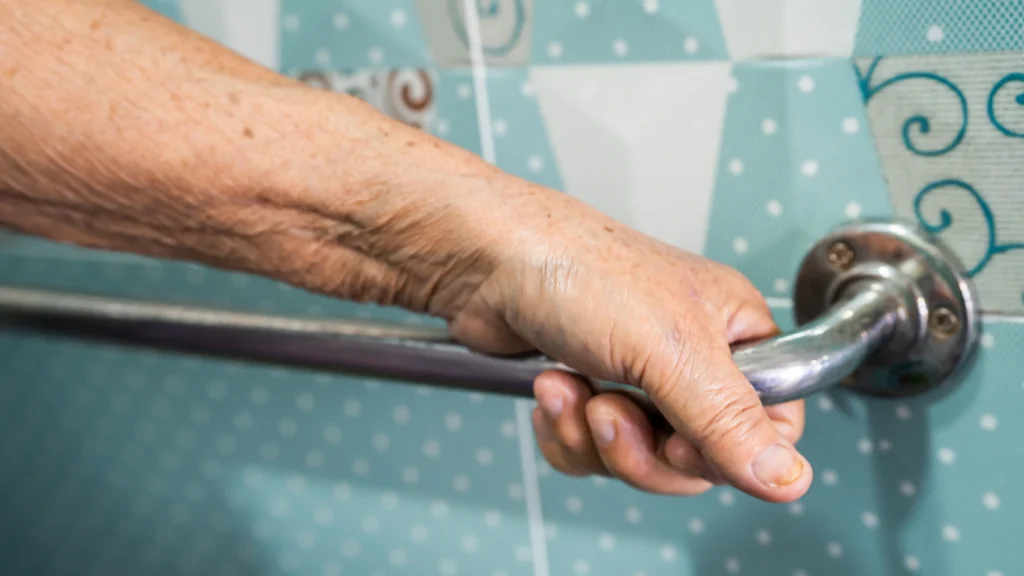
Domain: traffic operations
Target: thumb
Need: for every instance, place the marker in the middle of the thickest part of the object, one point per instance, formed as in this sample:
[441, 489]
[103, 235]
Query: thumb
[707, 399]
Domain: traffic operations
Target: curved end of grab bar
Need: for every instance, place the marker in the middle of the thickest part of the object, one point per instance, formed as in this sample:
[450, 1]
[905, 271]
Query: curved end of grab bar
[882, 308]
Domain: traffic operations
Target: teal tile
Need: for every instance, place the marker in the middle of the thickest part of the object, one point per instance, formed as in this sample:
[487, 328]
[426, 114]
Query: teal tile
[593, 31]
[797, 159]
[351, 34]
[939, 26]
[901, 487]
[133, 461]
[521, 143]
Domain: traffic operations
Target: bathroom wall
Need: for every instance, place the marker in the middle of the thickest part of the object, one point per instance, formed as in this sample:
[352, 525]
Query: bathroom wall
[742, 129]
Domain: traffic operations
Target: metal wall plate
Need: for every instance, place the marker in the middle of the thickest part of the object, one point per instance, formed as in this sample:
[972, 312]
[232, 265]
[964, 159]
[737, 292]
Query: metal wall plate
[936, 338]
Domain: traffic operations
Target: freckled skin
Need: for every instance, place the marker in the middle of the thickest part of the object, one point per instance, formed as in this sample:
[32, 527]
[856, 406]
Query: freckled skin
[124, 131]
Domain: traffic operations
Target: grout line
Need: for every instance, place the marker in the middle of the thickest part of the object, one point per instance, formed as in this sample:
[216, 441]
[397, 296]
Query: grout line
[531, 490]
[479, 67]
[524, 426]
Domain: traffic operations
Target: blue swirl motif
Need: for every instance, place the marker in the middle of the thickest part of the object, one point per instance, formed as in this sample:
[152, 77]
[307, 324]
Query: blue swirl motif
[918, 121]
[993, 248]
[487, 10]
[990, 105]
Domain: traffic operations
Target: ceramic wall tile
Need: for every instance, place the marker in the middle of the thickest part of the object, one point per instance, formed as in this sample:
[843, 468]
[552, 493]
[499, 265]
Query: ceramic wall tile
[521, 140]
[639, 142]
[249, 27]
[352, 34]
[797, 159]
[597, 31]
[504, 28]
[917, 487]
[932, 26]
[756, 29]
[181, 465]
[949, 130]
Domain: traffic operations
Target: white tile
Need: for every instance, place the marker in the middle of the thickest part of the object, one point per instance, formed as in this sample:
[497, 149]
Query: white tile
[639, 143]
[788, 28]
[250, 27]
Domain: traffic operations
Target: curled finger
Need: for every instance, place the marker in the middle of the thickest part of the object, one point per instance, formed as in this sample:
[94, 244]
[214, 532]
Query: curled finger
[630, 450]
[562, 400]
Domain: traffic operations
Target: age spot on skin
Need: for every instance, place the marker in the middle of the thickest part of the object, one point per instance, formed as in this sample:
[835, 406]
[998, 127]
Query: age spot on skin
[247, 132]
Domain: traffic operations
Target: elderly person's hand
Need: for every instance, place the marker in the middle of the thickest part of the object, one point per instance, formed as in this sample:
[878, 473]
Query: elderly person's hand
[617, 305]
[126, 132]
[620, 306]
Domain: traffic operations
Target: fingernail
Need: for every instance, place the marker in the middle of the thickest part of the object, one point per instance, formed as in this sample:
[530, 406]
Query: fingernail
[603, 428]
[552, 405]
[778, 466]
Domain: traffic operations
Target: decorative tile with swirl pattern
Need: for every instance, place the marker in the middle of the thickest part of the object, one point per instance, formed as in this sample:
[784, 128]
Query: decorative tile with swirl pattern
[949, 130]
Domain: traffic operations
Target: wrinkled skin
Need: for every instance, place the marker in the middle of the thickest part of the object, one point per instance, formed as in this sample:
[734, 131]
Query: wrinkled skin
[255, 172]
[620, 306]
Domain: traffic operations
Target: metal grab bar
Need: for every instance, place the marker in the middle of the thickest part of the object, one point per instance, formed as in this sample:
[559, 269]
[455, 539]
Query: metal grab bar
[881, 308]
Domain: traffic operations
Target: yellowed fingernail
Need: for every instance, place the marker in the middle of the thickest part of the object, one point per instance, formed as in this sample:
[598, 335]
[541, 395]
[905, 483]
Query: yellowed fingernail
[778, 466]
[603, 428]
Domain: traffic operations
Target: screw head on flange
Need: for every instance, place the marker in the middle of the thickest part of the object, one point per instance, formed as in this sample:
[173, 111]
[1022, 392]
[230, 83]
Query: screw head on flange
[909, 262]
[840, 256]
[943, 322]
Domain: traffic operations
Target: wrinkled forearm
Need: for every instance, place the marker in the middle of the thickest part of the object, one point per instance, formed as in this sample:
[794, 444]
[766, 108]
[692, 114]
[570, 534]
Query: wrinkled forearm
[126, 132]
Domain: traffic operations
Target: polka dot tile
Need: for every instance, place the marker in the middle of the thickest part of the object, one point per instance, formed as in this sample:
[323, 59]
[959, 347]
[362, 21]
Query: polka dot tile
[897, 483]
[723, 531]
[351, 34]
[923, 27]
[188, 465]
[522, 145]
[588, 31]
[779, 190]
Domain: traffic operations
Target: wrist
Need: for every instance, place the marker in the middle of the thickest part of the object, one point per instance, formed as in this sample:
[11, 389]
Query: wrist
[353, 184]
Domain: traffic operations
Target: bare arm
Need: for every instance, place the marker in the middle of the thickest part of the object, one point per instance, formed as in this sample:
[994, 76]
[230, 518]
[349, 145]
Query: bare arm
[125, 131]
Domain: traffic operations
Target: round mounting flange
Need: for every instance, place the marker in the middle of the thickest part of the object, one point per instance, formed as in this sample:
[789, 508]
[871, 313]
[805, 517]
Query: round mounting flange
[936, 329]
